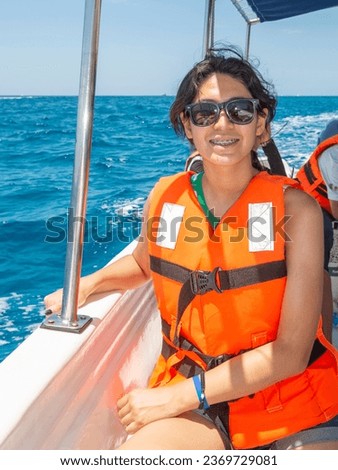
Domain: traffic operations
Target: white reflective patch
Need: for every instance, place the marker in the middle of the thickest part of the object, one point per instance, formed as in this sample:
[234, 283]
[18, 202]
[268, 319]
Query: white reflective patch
[260, 227]
[169, 226]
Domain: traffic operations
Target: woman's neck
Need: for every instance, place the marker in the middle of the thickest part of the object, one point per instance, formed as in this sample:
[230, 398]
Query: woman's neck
[222, 186]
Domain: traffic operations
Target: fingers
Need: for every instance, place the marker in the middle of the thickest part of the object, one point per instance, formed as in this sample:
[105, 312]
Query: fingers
[53, 302]
[130, 414]
[143, 406]
[125, 414]
[122, 402]
[53, 308]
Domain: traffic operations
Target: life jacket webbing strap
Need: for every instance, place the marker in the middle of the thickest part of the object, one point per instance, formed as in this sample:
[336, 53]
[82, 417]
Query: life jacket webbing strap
[205, 281]
[321, 188]
[242, 277]
[200, 282]
[274, 158]
[189, 367]
[170, 270]
[309, 173]
[322, 191]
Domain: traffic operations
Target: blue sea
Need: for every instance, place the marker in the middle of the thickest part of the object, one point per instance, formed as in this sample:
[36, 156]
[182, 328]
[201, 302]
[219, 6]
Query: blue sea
[133, 146]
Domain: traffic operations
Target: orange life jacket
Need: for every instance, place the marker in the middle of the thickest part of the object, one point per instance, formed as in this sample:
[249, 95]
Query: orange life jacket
[311, 178]
[220, 293]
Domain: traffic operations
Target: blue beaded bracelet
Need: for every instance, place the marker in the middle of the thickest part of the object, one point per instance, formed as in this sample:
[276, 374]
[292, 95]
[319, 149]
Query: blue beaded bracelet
[199, 382]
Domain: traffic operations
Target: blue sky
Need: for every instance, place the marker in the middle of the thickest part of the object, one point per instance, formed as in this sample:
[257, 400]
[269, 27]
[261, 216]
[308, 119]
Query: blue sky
[147, 46]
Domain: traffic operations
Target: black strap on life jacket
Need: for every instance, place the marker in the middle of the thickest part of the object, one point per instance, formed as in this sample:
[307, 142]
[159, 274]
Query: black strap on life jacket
[275, 160]
[321, 188]
[188, 367]
[200, 282]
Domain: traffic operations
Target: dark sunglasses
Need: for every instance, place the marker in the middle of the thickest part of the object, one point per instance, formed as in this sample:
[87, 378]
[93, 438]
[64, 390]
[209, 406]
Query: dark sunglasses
[239, 111]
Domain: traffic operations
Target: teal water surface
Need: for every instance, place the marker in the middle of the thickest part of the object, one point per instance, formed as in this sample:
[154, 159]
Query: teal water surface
[133, 146]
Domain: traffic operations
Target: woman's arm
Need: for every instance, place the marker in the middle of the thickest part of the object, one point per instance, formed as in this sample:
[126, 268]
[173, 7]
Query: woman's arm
[125, 273]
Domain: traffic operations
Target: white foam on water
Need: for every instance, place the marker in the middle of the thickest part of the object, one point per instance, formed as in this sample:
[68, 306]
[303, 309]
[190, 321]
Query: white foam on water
[4, 305]
[125, 207]
[27, 309]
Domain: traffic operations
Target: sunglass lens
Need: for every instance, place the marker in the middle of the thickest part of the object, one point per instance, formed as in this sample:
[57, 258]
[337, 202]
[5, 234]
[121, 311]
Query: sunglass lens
[241, 111]
[204, 114]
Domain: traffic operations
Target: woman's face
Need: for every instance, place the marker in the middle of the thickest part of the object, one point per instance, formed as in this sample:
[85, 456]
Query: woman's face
[224, 143]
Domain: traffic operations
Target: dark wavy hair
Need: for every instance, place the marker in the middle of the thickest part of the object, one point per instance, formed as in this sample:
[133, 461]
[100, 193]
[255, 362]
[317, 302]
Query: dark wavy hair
[229, 61]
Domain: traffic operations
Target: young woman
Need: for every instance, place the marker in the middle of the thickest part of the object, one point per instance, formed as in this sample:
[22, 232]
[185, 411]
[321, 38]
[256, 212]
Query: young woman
[236, 259]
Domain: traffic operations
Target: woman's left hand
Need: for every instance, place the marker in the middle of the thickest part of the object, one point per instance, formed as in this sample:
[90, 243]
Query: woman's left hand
[142, 406]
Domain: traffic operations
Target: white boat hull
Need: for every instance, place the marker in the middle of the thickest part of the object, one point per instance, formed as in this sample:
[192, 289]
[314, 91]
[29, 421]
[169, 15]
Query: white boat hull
[59, 390]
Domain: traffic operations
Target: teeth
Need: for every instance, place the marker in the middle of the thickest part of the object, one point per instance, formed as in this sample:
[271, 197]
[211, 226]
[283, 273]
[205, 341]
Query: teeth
[223, 142]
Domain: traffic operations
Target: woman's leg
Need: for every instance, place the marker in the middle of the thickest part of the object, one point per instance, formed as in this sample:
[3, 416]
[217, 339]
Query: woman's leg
[187, 432]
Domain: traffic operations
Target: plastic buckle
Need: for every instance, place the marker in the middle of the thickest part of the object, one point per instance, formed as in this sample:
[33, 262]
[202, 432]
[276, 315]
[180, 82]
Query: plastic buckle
[204, 281]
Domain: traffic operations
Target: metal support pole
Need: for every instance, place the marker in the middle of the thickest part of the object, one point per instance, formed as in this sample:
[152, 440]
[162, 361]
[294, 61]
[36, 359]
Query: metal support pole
[247, 42]
[248, 36]
[68, 320]
[209, 26]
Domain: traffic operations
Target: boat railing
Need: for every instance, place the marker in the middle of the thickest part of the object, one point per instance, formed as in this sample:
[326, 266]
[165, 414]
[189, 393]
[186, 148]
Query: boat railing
[68, 320]
[209, 26]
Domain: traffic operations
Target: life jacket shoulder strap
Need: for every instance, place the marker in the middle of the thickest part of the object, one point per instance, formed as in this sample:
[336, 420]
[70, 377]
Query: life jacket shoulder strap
[312, 178]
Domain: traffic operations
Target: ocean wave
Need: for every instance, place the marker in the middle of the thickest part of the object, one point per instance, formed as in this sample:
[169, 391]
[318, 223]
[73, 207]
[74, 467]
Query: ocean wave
[19, 317]
[4, 305]
[125, 207]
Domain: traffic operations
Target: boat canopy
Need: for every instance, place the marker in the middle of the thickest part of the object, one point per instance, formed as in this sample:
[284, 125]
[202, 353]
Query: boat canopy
[272, 10]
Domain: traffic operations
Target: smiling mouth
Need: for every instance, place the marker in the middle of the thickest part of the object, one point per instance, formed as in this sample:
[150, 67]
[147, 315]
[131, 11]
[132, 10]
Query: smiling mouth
[223, 142]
